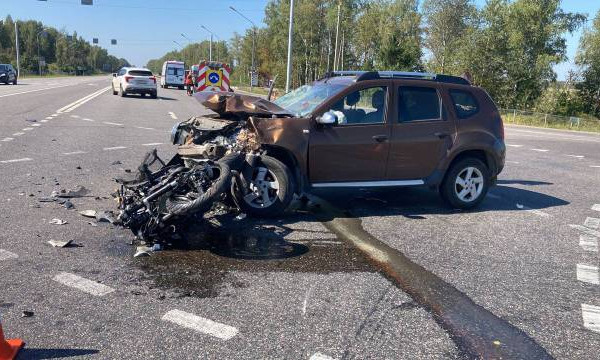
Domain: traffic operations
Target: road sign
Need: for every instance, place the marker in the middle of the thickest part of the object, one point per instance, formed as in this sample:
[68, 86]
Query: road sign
[87, 2]
[254, 79]
[95, 40]
[113, 41]
[213, 77]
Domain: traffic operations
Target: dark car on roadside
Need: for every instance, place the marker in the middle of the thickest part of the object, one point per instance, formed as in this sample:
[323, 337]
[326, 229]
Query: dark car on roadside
[8, 75]
[366, 130]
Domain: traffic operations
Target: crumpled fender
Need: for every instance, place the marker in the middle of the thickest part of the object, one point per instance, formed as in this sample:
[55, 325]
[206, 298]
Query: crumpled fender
[227, 104]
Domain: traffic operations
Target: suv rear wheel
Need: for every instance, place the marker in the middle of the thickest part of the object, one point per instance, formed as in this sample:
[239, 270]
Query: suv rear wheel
[466, 183]
[271, 189]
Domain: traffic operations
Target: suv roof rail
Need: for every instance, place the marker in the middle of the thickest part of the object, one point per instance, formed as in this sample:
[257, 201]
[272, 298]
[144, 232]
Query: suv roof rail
[372, 75]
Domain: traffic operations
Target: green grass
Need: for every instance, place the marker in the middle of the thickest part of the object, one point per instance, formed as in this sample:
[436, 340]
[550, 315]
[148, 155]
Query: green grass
[255, 90]
[551, 121]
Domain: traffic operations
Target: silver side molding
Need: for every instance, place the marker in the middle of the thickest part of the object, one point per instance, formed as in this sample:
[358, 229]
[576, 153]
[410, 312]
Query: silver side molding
[369, 183]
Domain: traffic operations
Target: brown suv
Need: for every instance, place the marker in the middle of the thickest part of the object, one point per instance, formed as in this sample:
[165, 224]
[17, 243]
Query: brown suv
[370, 129]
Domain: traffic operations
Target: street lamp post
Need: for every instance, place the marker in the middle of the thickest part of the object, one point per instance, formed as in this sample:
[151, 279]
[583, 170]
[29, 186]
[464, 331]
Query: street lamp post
[189, 42]
[211, 39]
[253, 39]
[289, 54]
[17, 43]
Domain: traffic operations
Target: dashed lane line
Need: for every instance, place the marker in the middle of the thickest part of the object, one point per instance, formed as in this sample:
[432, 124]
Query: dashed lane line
[114, 148]
[595, 166]
[588, 274]
[74, 105]
[152, 144]
[173, 116]
[540, 150]
[49, 118]
[27, 129]
[533, 211]
[511, 162]
[83, 284]
[36, 125]
[15, 160]
[44, 120]
[87, 119]
[514, 145]
[592, 223]
[18, 134]
[6, 255]
[588, 243]
[591, 317]
[586, 230]
[75, 116]
[7, 139]
[596, 207]
[576, 156]
[112, 123]
[319, 356]
[200, 324]
[75, 152]
[144, 128]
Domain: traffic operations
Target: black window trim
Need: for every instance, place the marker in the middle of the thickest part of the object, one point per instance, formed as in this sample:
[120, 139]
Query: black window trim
[441, 105]
[450, 90]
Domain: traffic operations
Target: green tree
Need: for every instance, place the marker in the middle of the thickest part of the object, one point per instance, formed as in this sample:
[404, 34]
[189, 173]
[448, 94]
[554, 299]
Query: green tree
[588, 58]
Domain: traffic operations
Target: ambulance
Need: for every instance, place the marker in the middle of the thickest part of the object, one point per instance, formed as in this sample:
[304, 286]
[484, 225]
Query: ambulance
[173, 74]
[211, 76]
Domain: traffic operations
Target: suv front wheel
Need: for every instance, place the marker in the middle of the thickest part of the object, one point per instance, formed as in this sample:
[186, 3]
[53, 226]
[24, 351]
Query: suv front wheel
[466, 183]
[270, 188]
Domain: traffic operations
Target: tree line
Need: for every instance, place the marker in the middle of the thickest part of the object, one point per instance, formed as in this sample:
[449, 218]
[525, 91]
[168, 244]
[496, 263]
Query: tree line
[61, 52]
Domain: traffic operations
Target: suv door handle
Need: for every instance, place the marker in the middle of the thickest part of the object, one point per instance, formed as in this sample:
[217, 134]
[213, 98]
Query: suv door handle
[380, 138]
[441, 135]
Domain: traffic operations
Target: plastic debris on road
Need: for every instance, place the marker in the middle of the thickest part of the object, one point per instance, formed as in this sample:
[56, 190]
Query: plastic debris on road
[88, 213]
[58, 243]
[56, 221]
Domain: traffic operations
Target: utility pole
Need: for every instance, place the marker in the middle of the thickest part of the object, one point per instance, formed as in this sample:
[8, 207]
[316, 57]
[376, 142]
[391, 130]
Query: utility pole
[289, 58]
[337, 32]
[211, 41]
[17, 43]
[253, 41]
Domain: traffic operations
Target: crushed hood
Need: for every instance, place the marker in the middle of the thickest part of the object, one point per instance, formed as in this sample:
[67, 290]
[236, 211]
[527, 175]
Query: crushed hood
[228, 103]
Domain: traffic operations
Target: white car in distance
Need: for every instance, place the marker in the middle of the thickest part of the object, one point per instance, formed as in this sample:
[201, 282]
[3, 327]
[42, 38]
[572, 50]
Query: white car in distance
[134, 81]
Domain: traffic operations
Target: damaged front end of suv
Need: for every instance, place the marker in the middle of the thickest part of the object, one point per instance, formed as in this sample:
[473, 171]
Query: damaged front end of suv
[220, 157]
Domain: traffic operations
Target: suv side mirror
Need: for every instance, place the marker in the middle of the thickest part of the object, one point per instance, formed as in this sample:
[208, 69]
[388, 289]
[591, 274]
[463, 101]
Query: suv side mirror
[328, 118]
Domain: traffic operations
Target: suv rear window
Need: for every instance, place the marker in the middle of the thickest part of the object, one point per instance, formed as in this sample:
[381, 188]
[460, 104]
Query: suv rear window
[140, 73]
[418, 103]
[3, 67]
[464, 103]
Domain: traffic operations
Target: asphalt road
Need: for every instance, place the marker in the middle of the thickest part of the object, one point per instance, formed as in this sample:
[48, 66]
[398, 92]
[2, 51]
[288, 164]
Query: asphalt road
[292, 288]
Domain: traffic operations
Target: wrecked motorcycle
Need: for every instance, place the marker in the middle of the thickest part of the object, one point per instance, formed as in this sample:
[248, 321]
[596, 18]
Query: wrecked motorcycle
[218, 159]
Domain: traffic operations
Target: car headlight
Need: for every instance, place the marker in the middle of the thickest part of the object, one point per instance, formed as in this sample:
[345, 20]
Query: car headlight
[3, 74]
[174, 133]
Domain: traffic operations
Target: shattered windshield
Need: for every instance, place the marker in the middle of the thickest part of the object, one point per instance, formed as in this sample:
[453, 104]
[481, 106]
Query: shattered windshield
[306, 98]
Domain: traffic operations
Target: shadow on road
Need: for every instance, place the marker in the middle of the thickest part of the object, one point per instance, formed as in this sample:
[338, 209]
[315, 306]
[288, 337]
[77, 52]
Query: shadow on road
[523, 182]
[28, 353]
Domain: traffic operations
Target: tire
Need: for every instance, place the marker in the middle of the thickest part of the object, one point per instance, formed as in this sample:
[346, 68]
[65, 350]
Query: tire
[121, 92]
[458, 195]
[15, 81]
[113, 90]
[153, 95]
[278, 198]
[185, 206]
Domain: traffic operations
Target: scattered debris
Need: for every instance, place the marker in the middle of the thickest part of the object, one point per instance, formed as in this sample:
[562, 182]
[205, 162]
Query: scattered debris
[156, 247]
[68, 205]
[78, 191]
[106, 216]
[241, 216]
[56, 221]
[142, 251]
[93, 224]
[31, 120]
[78, 168]
[58, 243]
[116, 162]
[88, 213]
[27, 313]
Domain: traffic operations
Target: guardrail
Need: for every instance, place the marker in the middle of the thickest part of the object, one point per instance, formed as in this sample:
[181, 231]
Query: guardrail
[530, 118]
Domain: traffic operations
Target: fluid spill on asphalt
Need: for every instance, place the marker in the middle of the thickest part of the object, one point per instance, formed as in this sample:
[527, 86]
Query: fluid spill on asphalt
[204, 262]
[478, 333]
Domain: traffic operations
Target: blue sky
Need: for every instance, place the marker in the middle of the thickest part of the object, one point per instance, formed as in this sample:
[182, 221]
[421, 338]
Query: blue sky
[145, 29]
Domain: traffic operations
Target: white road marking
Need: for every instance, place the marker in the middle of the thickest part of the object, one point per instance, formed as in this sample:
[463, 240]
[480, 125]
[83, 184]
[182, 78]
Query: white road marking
[591, 317]
[15, 160]
[83, 284]
[588, 274]
[152, 144]
[18, 134]
[305, 302]
[200, 324]
[585, 230]
[27, 129]
[7, 139]
[588, 243]
[514, 145]
[114, 148]
[54, 115]
[511, 162]
[595, 166]
[144, 128]
[540, 150]
[30, 91]
[319, 356]
[74, 105]
[87, 119]
[36, 125]
[577, 156]
[49, 118]
[44, 120]
[5, 255]
[592, 223]
[111, 123]
[75, 152]
[172, 114]
[596, 207]
[533, 211]
[75, 116]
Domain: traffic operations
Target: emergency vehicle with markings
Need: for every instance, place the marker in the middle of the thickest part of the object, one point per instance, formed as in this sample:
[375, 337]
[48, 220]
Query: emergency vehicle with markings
[211, 76]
